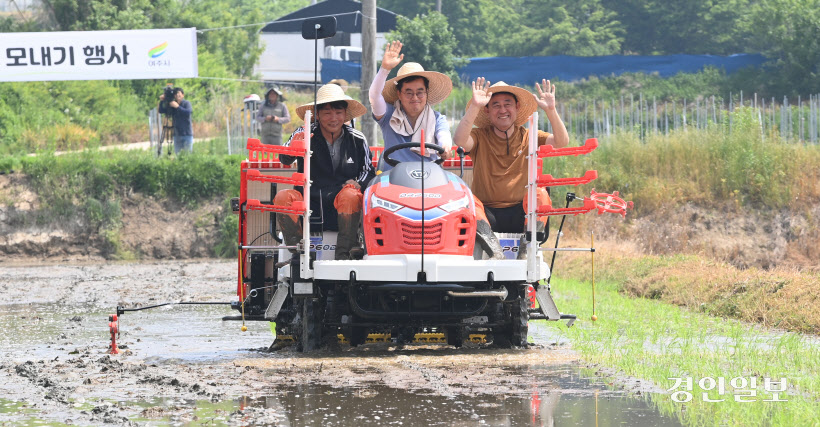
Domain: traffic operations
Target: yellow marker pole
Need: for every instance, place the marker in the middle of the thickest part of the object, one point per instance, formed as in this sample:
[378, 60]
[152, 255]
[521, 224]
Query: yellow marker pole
[596, 408]
[592, 250]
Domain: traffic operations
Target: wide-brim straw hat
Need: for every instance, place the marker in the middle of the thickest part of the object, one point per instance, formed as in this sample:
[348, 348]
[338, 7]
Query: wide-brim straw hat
[341, 82]
[330, 93]
[439, 86]
[526, 104]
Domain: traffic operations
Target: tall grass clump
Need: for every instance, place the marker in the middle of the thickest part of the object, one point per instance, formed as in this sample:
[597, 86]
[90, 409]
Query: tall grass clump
[783, 298]
[71, 115]
[701, 166]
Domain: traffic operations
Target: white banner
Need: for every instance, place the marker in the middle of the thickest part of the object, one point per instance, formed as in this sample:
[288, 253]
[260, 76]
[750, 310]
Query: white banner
[98, 55]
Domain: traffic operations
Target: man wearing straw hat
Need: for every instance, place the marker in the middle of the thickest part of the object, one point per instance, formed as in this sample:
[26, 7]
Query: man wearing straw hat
[498, 146]
[341, 165]
[344, 85]
[403, 106]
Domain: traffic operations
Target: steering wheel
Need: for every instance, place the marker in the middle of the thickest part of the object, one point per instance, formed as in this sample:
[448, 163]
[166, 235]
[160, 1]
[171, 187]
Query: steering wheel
[393, 149]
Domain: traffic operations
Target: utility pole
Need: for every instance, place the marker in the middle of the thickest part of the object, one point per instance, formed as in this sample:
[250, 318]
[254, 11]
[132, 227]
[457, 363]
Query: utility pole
[438, 6]
[368, 66]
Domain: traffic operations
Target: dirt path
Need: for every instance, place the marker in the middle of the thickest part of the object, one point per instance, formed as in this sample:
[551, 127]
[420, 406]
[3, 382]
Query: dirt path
[182, 364]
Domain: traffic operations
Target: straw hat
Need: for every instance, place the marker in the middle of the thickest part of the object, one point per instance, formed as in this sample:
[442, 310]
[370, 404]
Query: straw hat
[440, 85]
[329, 93]
[526, 104]
[341, 82]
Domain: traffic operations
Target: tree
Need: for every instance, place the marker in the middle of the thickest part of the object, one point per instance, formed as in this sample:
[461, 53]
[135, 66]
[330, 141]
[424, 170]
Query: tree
[79, 15]
[464, 16]
[428, 40]
[552, 27]
[691, 26]
[238, 47]
[523, 27]
[788, 33]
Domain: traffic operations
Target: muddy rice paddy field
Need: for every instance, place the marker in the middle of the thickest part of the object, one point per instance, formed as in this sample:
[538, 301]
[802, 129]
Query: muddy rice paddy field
[183, 365]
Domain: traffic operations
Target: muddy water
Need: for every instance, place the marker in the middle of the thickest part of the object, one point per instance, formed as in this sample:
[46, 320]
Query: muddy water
[575, 401]
[182, 365]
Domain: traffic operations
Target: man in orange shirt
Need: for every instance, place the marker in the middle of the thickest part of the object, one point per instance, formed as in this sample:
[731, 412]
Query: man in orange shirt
[499, 146]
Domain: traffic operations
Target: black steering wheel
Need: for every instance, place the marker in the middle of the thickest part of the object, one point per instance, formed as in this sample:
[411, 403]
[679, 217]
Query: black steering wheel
[393, 149]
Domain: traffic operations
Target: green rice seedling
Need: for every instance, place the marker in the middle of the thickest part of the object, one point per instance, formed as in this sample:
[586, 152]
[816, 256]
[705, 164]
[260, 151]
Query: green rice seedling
[697, 346]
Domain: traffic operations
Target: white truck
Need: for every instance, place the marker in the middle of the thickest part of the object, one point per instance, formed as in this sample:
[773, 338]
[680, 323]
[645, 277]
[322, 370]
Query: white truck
[289, 58]
[344, 53]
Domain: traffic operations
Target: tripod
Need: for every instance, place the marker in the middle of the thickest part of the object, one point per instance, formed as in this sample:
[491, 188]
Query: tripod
[167, 134]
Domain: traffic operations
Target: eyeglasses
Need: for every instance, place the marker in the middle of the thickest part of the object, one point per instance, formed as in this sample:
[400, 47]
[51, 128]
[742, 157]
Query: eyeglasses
[418, 94]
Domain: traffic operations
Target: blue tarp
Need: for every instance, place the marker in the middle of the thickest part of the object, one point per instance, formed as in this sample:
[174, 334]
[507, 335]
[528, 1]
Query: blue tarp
[528, 70]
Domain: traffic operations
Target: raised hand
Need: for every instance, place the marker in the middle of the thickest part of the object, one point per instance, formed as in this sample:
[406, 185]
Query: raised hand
[392, 56]
[481, 94]
[546, 95]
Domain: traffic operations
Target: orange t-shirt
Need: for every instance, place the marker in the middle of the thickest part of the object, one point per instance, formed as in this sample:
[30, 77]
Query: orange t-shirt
[500, 179]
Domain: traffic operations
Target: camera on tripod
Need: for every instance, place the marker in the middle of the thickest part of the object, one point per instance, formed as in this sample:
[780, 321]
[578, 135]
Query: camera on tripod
[167, 135]
[168, 96]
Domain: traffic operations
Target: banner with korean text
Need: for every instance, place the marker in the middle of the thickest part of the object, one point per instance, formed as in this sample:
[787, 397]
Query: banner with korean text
[98, 55]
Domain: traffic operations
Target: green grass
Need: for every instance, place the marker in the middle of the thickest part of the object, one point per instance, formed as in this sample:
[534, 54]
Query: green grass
[64, 180]
[86, 188]
[656, 341]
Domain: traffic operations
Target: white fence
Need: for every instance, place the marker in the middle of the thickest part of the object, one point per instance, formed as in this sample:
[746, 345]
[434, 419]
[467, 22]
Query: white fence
[796, 120]
[154, 128]
[793, 120]
[240, 125]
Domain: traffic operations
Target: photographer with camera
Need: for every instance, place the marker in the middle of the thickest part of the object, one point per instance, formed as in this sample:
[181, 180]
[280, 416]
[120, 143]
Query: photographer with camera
[175, 107]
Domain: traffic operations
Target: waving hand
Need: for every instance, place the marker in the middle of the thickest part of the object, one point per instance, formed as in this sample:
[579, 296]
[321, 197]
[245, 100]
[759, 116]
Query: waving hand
[546, 95]
[481, 94]
[392, 56]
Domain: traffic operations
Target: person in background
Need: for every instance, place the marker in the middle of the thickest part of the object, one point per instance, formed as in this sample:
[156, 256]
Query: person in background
[180, 110]
[272, 115]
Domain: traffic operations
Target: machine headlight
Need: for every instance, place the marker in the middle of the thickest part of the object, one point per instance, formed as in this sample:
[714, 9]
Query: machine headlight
[384, 204]
[456, 204]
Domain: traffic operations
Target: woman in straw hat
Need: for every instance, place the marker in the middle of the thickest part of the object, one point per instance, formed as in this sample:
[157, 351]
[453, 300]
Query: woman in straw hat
[272, 115]
[403, 106]
[499, 145]
[341, 165]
